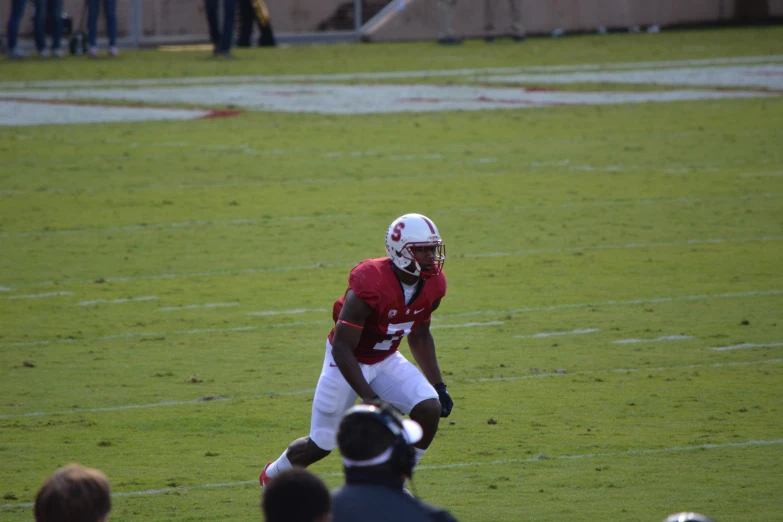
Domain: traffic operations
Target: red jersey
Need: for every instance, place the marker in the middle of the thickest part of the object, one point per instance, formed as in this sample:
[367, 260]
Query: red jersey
[375, 283]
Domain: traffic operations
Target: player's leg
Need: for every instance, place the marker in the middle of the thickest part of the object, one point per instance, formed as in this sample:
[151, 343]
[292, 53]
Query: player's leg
[333, 395]
[400, 383]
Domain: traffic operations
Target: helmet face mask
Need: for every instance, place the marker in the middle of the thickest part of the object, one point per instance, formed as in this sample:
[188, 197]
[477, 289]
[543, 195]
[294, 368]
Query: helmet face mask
[415, 246]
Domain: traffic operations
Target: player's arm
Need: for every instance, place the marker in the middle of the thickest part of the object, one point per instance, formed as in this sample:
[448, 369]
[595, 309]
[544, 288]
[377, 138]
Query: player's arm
[423, 349]
[346, 337]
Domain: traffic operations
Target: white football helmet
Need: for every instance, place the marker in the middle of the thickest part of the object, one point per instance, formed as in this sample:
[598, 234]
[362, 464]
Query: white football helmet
[687, 517]
[415, 247]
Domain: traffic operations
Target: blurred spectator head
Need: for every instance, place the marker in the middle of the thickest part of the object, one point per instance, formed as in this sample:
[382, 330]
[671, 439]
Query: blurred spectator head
[74, 494]
[296, 495]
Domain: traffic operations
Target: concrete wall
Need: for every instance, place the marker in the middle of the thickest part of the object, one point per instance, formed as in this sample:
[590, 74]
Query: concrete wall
[184, 19]
[415, 19]
[162, 18]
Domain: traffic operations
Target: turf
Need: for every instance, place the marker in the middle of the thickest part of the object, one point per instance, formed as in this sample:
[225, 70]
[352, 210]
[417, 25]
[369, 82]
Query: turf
[346, 58]
[635, 221]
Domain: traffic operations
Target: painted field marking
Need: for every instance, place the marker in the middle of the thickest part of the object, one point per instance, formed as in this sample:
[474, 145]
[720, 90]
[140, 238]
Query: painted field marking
[202, 400]
[627, 246]
[199, 331]
[182, 224]
[4, 289]
[194, 306]
[286, 312]
[618, 303]
[317, 217]
[624, 370]
[762, 175]
[428, 467]
[20, 111]
[680, 337]
[254, 79]
[212, 273]
[699, 297]
[755, 76]
[646, 202]
[467, 325]
[119, 301]
[553, 334]
[319, 98]
[263, 183]
[672, 168]
[746, 345]
[38, 296]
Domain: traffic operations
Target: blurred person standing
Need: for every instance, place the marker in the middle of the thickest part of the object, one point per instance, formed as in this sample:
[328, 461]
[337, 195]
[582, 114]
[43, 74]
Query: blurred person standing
[517, 29]
[110, 13]
[254, 12]
[47, 12]
[445, 10]
[53, 23]
[296, 495]
[246, 20]
[221, 40]
[74, 494]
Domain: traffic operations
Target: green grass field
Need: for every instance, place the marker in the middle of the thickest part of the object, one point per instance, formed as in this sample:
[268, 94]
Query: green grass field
[634, 221]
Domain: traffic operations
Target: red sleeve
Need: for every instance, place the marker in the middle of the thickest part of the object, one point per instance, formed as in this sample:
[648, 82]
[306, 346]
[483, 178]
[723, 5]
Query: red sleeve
[440, 287]
[366, 283]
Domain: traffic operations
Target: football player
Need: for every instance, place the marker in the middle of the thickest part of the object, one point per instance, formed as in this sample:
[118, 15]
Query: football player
[387, 299]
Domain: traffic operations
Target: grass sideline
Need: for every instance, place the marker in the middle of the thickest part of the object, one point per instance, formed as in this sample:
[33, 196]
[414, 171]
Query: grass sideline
[348, 58]
[602, 218]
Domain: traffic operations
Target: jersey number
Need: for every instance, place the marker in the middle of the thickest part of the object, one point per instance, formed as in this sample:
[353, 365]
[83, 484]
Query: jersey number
[394, 333]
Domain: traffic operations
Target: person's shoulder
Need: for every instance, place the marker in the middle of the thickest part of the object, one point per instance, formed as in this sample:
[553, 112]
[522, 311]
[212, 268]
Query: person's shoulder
[377, 265]
[437, 285]
[435, 513]
[371, 273]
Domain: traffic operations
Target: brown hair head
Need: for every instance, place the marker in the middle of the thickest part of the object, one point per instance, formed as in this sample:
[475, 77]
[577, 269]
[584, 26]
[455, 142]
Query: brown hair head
[74, 494]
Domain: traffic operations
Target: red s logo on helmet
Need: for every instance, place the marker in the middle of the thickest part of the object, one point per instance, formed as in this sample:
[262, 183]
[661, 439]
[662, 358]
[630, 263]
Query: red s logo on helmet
[397, 231]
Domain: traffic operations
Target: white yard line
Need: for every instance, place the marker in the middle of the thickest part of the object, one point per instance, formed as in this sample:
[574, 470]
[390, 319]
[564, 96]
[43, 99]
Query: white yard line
[212, 273]
[429, 467]
[317, 217]
[203, 400]
[647, 202]
[626, 246]
[651, 300]
[657, 339]
[267, 313]
[220, 80]
[555, 334]
[762, 175]
[199, 331]
[746, 345]
[38, 296]
[263, 183]
[622, 370]
[653, 244]
[195, 306]
[182, 224]
[467, 325]
[119, 301]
